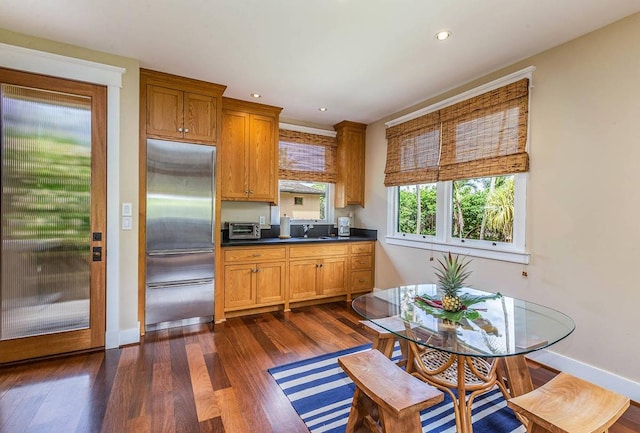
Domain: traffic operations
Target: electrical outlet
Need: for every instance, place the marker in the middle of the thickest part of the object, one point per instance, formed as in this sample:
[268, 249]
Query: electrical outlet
[263, 220]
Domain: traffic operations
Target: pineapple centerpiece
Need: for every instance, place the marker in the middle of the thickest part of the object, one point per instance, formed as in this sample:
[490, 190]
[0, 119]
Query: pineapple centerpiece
[454, 306]
[452, 275]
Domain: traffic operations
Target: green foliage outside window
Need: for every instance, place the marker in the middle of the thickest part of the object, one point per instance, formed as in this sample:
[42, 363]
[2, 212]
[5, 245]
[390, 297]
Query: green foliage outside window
[482, 209]
[409, 209]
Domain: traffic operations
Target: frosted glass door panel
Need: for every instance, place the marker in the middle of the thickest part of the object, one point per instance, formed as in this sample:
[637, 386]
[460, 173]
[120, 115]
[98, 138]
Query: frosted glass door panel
[46, 208]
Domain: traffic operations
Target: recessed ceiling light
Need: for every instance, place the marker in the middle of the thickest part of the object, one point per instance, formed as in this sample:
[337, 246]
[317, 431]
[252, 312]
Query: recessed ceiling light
[444, 34]
[322, 109]
[256, 95]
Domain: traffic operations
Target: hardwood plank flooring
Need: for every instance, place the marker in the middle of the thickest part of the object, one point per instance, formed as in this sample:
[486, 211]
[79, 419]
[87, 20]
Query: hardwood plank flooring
[204, 378]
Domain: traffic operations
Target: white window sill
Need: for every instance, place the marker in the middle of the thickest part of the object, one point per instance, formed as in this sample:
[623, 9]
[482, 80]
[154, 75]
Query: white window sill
[506, 255]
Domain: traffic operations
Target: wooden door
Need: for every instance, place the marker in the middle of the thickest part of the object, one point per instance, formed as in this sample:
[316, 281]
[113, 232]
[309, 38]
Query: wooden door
[270, 282]
[234, 156]
[262, 158]
[303, 281]
[200, 117]
[164, 112]
[334, 276]
[53, 216]
[239, 285]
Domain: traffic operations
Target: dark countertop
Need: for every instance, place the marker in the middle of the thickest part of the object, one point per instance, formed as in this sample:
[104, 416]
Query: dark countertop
[357, 235]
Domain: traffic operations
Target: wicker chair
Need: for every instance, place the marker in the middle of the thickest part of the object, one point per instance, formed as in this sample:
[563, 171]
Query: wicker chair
[440, 369]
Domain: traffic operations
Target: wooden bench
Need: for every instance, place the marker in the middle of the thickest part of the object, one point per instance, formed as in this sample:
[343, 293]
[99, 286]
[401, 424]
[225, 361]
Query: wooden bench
[384, 340]
[387, 399]
[567, 404]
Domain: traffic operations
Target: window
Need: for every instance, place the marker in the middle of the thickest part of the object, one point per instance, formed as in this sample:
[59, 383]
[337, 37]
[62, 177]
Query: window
[456, 173]
[482, 217]
[417, 209]
[307, 173]
[482, 209]
[303, 201]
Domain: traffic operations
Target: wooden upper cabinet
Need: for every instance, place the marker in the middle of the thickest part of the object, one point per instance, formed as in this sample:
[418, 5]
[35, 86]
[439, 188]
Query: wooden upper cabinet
[351, 137]
[249, 151]
[234, 154]
[179, 108]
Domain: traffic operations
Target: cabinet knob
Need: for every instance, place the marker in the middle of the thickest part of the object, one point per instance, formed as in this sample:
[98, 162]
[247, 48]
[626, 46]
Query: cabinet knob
[186, 130]
[361, 280]
[256, 255]
[362, 262]
[179, 129]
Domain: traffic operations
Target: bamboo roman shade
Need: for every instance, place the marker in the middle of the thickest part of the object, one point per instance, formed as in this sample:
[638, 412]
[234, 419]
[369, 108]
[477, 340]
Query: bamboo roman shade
[479, 137]
[307, 157]
[413, 150]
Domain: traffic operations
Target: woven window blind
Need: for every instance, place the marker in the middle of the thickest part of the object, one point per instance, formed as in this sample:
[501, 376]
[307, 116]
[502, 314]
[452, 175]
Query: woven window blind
[479, 137]
[486, 135]
[413, 150]
[307, 157]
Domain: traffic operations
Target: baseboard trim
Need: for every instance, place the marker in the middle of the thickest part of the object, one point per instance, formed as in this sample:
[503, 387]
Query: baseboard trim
[588, 372]
[123, 337]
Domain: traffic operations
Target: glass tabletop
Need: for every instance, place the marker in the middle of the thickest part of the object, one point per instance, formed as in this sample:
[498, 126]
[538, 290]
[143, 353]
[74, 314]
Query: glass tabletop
[498, 327]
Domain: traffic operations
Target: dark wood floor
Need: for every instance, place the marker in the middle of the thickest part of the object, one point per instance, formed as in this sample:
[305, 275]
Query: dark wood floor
[202, 378]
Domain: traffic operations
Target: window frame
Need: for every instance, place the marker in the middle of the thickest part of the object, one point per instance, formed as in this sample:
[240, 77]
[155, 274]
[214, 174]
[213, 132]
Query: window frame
[443, 241]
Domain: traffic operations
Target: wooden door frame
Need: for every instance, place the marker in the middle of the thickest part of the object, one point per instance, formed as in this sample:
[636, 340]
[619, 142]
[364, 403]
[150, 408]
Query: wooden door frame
[55, 65]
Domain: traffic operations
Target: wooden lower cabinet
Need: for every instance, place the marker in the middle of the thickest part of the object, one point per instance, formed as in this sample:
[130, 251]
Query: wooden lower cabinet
[254, 284]
[259, 277]
[320, 277]
[361, 266]
[254, 278]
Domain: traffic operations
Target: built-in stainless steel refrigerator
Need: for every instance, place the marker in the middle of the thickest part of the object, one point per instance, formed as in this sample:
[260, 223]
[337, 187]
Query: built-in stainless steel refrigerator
[179, 234]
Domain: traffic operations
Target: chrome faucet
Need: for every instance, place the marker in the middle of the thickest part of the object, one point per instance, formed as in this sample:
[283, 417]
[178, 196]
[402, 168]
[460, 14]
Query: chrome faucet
[306, 228]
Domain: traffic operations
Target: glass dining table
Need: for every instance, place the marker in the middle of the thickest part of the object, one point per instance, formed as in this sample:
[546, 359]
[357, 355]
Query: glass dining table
[488, 338]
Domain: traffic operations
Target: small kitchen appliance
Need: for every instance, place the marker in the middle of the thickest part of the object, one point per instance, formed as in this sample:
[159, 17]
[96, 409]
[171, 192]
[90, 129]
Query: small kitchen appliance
[344, 226]
[239, 230]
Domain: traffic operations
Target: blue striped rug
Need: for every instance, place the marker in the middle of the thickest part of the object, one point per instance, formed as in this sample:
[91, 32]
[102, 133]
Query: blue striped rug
[321, 393]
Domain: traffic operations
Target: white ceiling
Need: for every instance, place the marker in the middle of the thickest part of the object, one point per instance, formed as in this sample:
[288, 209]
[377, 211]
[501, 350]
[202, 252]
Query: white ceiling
[362, 59]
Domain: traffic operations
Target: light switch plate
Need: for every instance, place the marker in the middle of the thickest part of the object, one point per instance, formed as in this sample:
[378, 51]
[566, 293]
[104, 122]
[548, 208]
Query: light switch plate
[262, 220]
[127, 210]
[126, 223]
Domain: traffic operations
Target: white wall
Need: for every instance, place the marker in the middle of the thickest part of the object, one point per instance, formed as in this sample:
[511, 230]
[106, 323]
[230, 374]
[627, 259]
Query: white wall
[583, 202]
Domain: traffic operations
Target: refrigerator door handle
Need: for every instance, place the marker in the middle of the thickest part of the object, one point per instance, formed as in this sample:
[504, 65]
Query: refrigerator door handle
[178, 252]
[213, 195]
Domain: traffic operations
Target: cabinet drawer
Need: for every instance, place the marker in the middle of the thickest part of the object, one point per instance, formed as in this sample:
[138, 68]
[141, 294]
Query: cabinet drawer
[254, 254]
[361, 262]
[361, 281]
[326, 250]
[362, 248]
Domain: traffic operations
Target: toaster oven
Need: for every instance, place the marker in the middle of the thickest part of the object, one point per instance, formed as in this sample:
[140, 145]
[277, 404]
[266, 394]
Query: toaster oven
[244, 230]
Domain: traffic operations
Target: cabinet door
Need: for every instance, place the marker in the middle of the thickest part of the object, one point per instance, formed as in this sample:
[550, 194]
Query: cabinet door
[303, 282]
[239, 286]
[355, 167]
[262, 158]
[234, 156]
[164, 112]
[333, 274]
[200, 117]
[270, 282]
